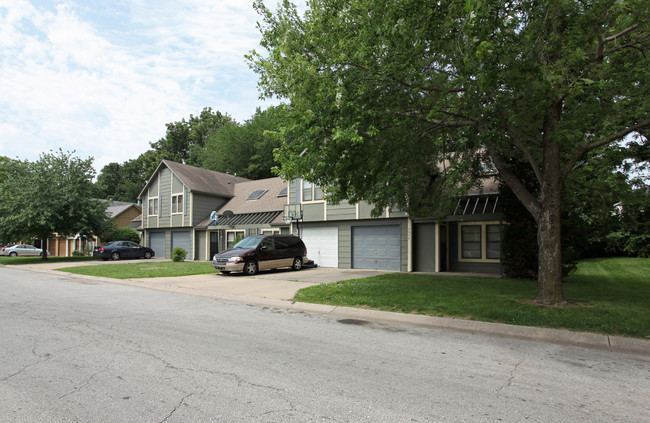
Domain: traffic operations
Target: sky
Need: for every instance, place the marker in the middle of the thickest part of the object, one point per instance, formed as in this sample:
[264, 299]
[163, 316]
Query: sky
[102, 78]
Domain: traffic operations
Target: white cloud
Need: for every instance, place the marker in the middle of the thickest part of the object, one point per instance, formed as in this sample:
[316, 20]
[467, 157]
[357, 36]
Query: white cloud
[103, 78]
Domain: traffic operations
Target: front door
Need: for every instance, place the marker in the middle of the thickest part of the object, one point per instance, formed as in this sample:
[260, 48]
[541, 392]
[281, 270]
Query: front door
[442, 250]
[214, 244]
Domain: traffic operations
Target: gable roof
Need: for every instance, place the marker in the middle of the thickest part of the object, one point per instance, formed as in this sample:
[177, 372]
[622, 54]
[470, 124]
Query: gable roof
[200, 180]
[116, 208]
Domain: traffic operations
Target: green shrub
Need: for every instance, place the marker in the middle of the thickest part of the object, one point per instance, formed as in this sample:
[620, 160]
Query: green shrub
[179, 254]
[125, 234]
[77, 253]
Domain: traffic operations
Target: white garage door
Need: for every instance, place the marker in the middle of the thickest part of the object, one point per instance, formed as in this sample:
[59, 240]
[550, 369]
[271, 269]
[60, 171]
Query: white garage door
[376, 247]
[322, 245]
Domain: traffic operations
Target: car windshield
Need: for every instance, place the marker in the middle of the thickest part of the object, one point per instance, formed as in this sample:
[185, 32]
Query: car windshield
[248, 243]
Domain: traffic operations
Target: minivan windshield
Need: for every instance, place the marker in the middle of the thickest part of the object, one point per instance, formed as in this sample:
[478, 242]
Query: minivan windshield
[248, 243]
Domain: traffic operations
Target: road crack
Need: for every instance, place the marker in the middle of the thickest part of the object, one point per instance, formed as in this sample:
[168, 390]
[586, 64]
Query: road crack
[508, 382]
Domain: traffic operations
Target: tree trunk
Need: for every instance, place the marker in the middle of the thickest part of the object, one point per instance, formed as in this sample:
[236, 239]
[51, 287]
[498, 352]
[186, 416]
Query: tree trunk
[549, 218]
[549, 268]
[44, 247]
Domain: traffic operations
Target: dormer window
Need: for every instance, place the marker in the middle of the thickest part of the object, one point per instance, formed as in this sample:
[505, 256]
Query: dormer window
[256, 195]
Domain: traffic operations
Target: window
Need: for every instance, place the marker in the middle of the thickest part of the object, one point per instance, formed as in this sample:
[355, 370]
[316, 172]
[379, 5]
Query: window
[232, 237]
[177, 203]
[153, 206]
[471, 242]
[307, 189]
[268, 244]
[256, 195]
[311, 192]
[270, 231]
[479, 241]
[493, 237]
[284, 192]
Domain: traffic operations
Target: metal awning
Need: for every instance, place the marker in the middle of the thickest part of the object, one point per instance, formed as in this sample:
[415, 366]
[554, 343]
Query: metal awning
[478, 204]
[262, 218]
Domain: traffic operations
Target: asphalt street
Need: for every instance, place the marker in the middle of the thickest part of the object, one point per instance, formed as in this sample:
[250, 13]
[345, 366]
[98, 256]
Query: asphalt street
[85, 350]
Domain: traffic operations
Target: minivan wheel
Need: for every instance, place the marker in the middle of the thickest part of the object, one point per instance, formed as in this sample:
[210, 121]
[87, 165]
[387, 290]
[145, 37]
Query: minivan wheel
[297, 263]
[250, 267]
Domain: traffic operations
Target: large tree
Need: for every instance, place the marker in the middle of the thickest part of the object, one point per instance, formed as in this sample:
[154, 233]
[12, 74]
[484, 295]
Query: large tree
[48, 196]
[395, 101]
[246, 149]
[123, 182]
[185, 140]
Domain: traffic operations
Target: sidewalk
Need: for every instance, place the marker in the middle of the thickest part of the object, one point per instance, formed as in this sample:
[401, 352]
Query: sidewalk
[276, 289]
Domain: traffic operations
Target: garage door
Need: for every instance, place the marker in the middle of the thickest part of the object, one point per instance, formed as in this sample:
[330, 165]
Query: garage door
[182, 239]
[157, 243]
[376, 247]
[322, 245]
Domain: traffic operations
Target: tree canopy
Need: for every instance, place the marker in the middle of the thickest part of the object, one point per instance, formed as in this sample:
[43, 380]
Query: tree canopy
[394, 101]
[247, 149]
[184, 141]
[48, 196]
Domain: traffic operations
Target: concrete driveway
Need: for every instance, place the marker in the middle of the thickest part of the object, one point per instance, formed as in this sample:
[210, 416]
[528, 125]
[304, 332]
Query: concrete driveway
[276, 284]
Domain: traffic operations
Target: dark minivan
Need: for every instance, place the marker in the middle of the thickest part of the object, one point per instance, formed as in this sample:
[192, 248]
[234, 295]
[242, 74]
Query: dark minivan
[262, 252]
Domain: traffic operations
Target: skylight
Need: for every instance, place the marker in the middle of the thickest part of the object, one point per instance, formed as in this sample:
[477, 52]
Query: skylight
[284, 191]
[256, 195]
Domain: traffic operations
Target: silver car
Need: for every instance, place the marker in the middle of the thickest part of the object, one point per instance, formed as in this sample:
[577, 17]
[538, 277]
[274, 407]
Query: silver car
[21, 250]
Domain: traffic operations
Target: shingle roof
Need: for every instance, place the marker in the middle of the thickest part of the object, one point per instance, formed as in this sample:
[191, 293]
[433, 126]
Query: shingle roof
[136, 223]
[269, 201]
[116, 208]
[201, 180]
[265, 210]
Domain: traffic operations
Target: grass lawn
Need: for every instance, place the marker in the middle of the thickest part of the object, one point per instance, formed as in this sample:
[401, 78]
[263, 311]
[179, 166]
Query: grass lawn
[609, 296]
[147, 269]
[36, 260]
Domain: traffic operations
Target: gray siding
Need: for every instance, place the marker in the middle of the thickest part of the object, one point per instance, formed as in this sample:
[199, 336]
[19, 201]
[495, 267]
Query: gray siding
[203, 205]
[153, 187]
[164, 198]
[177, 185]
[365, 209]
[343, 211]
[313, 212]
[294, 192]
[200, 248]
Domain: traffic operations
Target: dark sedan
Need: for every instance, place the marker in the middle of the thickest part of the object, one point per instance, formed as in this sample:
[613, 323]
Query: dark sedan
[122, 249]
